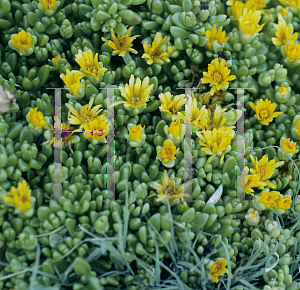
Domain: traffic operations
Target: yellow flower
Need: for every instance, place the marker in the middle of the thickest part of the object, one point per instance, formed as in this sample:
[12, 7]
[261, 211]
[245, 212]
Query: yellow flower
[72, 82]
[268, 198]
[86, 114]
[56, 59]
[283, 90]
[175, 129]
[216, 142]
[155, 53]
[264, 169]
[212, 101]
[168, 151]
[218, 74]
[171, 106]
[249, 21]
[288, 146]
[293, 3]
[292, 51]
[136, 94]
[20, 197]
[23, 43]
[265, 111]
[97, 128]
[283, 11]
[89, 65]
[218, 269]
[169, 189]
[48, 4]
[237, 8]
[256, 4]
[252, 181]
[283, 203]
[136, 133]
[283, 32]
[36, 118]
[215, 36]
[121, 44]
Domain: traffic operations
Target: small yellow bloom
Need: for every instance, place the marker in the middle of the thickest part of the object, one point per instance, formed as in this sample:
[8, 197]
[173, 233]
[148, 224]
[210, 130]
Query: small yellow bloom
[174, 129]
[136, 133]
[86, 115]
[293, 3]
[56, 59]
[169, 189]
[36, 118]
[249, 21]
[155, 53]
[283, 203]
[288, 146]
[265, 111]
[168, 151]
[256, 4]
[283, 32]
[170, 49]
[252, 181]
[268, 198]
[283, 90]
[237, 8]
[72, 82]
[23, 43]
[218, 74]
[171, 106]
[292, 51]
[20, 197]
[283, 11]
[88, 64]
[97, 128]
[264, 169]
[218, 268]
[136, 93]
[215, 36]
[216, 142]
[48, 4]
[121, 44]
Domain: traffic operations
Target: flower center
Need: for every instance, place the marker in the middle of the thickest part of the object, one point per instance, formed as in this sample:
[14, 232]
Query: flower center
[24, 198]
[24, 42]
[121, 45]
[217, 77]
[264, 114]
[156, 53]
[48, 2]
[92, 69]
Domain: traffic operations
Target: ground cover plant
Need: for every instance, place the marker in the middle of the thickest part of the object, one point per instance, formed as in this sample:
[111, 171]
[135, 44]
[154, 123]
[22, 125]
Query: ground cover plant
[168, 206]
